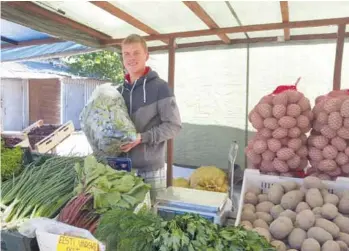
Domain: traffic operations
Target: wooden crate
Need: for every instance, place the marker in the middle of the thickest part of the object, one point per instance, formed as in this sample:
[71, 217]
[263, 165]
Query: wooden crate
[24, 137]
[49, 142]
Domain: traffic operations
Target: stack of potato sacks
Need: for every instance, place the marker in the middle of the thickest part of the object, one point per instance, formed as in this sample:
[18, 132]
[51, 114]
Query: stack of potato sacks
[329, 141]
[280, 145]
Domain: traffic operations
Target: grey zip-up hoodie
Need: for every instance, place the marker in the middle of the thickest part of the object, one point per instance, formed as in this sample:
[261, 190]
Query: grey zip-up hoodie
[153, 109]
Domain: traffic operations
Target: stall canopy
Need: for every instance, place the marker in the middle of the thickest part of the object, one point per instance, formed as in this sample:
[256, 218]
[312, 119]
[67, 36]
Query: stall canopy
[169, 25]
[20, 43]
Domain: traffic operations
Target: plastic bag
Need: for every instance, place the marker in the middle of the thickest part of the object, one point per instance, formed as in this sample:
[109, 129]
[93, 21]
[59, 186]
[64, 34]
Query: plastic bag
[30, 227]
[106, 123]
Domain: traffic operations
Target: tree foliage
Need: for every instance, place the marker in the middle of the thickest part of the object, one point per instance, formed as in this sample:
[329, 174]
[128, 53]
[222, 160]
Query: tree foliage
[105, 65]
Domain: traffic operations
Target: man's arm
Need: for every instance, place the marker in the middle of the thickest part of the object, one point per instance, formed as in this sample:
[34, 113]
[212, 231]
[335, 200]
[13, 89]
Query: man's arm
[170, 119]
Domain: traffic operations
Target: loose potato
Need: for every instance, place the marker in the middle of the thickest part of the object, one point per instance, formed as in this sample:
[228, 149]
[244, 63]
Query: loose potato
[289, 186]
[330, 246]
[264, 216]
[342, 223]
[279, 245]
[263, 232]
[296, 238]
[329, 211]
[275, 193]
[312, 182]
[248, 215]
[324, 192]
[289, 214]
[302, 206]
[264, 206]
[254, 189]
[249, 207]
[291, 199]
[343, 205]
[251, 198]
[247, 225]
[331, 198]
[310, 245]
[260, 223]
[328, 226]
[275, 211]
[319, 234]
[343, 237]
[262, 197]
[342, 245]
[314, 198]
[281, 227]
[305, 219]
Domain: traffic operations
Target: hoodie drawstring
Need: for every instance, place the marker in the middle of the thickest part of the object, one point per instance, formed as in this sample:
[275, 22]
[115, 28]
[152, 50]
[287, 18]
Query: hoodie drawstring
[144, 92]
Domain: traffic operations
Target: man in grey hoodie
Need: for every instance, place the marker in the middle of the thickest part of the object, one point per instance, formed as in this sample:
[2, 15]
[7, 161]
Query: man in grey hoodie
[152, 108]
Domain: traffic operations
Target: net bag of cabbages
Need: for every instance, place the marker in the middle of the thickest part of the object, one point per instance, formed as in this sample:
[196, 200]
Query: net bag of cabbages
[282, 120]
[329, 140]
[106, 123]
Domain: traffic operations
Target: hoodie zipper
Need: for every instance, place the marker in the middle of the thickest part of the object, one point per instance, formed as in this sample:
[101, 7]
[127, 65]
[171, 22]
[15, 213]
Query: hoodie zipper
[133, 86]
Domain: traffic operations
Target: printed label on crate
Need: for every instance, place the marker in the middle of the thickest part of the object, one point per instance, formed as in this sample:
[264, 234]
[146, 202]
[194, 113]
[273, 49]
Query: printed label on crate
[68, 243]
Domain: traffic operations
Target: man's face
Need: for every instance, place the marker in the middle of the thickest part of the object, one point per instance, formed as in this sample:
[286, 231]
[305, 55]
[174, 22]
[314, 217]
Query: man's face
[134, 57]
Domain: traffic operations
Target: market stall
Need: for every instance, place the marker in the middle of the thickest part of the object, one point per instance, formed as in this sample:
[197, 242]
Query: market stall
[88, 205]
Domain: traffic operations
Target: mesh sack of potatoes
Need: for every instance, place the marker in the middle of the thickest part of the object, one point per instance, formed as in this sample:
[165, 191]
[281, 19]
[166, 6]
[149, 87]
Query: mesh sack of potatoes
[282, 120]
[328, 143]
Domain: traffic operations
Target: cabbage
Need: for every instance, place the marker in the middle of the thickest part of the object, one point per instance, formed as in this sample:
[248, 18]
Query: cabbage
[106, 123]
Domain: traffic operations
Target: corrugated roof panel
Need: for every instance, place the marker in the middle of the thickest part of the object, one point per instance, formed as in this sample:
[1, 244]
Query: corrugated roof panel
[236, 35]
[164, 17]
[310, 10]
[314, 30]
[197, 39]
[270, 33]
[253, 12]
[93, 16]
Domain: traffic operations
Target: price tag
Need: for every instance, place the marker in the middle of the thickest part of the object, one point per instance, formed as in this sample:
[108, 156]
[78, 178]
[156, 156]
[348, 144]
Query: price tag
[68, 243]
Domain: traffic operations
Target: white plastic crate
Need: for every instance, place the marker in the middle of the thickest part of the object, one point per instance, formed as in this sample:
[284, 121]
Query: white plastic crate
[253, 178]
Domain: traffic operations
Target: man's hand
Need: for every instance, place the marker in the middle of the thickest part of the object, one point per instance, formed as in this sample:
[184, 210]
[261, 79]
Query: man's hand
[127, 147]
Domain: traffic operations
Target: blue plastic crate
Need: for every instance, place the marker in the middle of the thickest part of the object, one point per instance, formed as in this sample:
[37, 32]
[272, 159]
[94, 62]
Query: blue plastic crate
[120, 164]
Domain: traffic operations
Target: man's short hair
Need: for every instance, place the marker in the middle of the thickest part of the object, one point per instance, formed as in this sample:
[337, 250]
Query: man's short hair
[134, 38]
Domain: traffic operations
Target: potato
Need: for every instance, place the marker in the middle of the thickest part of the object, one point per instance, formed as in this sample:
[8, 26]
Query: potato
[329, 211]
[264, 216]
[342, 245]
[247, 225]
[254, 189]
[260, 223]
[302, 206]
[248, 215]
[289, 186]
[343, 237]
[289, 214]
[296, 238]
[319, 234]
[310, 245]
[281, 227]
[249, 207]
[305, 219]
[263, 232]
[291, 199]
[275, 194]
[330, 246]
[275, 211]
[328, 226]
[314, 198]
[279, 245]
[343, 205]
[312, 182]
[251, 198]
[324, 192]
[262, 197]
[331, 198]
[264, 206]
[342, 223]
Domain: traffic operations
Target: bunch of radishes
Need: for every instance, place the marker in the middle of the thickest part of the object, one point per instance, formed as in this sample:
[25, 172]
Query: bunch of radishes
[329, 141]
[280, 144]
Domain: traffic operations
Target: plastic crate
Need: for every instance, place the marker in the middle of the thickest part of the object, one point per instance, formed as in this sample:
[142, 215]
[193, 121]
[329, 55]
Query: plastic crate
[253, 178]
[14, 241]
